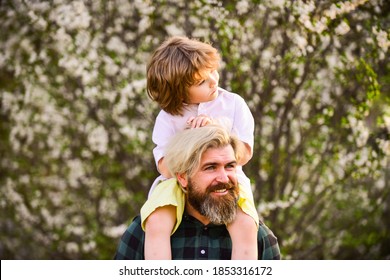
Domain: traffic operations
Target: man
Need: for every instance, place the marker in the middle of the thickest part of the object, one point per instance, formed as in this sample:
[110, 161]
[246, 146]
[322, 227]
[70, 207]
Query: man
[204, 162]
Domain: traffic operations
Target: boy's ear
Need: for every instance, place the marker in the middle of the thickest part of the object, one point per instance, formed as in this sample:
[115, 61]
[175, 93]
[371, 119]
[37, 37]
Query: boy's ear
[183, 181]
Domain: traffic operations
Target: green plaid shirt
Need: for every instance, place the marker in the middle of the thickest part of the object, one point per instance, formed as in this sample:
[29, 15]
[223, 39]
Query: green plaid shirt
[195, 241]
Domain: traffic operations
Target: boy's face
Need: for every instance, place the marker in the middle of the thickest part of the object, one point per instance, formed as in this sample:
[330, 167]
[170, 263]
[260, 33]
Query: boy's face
[206, 90]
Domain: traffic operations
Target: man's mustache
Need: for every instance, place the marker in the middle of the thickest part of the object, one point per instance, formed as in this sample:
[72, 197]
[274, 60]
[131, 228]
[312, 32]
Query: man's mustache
[221, 186]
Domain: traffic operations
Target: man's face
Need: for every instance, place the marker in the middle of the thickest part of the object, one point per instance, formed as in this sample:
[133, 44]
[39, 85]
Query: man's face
[212, 189]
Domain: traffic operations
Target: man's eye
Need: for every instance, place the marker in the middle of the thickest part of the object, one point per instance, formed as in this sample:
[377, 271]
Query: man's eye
[211, 167]
[231, 166]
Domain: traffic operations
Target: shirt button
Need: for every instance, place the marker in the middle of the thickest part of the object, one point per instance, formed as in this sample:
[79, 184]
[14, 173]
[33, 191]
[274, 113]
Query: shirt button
[202, 252]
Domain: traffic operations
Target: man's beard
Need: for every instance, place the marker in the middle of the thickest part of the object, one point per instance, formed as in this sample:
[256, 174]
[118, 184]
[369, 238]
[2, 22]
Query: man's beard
[218, 209]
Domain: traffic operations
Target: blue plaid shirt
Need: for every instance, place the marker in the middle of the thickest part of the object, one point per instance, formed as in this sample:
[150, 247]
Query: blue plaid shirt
[195, 241]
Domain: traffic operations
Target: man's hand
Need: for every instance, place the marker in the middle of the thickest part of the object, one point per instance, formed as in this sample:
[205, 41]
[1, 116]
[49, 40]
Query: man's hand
[199, 121]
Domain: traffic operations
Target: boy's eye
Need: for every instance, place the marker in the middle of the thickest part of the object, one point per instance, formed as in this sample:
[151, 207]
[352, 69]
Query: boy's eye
[201, 82]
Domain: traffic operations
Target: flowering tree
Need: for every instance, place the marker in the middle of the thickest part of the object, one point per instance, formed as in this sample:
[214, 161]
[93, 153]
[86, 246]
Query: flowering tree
[75, 121]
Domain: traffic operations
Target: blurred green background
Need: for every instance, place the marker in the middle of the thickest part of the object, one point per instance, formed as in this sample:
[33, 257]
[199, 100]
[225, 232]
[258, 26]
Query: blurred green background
[75, 120]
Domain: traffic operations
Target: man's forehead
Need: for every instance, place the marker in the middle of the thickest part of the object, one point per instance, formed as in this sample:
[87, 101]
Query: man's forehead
[218, 155]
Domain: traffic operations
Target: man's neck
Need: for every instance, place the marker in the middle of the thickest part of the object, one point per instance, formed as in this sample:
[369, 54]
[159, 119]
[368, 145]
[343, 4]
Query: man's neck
[194, 213]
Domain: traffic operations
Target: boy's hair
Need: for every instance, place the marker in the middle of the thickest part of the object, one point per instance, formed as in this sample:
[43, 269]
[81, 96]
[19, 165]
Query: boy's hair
[176, 65]
[185, 149]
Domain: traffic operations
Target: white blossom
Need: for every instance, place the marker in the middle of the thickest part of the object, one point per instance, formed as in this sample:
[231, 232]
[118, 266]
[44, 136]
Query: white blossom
[382, 38]
[332, 12]
[83, 39]
[110, 67]
[384, 145]
[72, 16]
[117, 45]
[89, 246]
[280, 95]
[242, 7]
[76, 171]
[301, 43]
[174, 30]
[98, 140]
[276, 3]
[342, 29]
[116, 231]
[144, 24]
[72, 247]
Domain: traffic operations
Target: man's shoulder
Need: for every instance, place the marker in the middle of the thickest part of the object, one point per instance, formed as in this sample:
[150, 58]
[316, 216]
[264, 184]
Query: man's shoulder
[135, 228]
[136, 221]
[132, 240]
[269, 241]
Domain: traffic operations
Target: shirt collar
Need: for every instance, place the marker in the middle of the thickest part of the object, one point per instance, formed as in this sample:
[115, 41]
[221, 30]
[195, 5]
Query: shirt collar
[194, 220]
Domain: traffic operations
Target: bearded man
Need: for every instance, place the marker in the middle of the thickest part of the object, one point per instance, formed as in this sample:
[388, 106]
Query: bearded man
[204, 162]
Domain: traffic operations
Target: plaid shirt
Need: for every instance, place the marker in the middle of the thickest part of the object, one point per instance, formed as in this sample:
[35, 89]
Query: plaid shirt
[195, 241]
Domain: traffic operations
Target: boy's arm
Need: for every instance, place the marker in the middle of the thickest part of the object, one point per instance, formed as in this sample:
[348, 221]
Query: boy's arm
[243, 127]
[246, 155]
[163, 130]
[163, 169]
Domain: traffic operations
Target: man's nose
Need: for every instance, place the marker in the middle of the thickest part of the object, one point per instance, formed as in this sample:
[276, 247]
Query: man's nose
[222, 177]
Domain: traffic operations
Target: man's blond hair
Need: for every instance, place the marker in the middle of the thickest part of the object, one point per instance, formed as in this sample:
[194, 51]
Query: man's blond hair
[185, 149]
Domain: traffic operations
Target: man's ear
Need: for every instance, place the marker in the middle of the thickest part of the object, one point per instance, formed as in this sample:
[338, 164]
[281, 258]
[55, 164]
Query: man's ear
[183, 181]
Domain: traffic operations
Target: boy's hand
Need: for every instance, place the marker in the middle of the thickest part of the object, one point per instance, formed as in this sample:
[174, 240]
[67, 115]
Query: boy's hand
[199, 121]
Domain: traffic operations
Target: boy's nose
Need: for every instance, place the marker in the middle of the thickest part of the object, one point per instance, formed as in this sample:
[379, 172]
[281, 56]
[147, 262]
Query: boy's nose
[213, 78]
